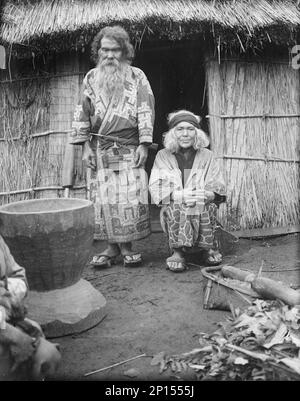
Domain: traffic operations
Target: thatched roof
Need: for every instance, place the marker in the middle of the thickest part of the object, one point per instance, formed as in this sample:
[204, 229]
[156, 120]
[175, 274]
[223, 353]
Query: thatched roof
[59, 24]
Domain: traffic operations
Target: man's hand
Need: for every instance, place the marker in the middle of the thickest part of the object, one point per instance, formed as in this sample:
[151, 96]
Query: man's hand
[141, 155]
[89, 156]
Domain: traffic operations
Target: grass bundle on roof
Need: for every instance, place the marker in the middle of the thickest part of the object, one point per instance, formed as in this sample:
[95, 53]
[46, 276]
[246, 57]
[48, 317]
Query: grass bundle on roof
[54, 22]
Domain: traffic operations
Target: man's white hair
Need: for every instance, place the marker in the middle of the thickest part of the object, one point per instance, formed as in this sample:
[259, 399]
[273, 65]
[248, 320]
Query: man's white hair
[171, 141]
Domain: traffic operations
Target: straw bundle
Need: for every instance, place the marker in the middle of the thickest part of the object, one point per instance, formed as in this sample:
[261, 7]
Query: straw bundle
[259, 155]
[24, 107]
[36, 115]
[32, 169]
[56, 19]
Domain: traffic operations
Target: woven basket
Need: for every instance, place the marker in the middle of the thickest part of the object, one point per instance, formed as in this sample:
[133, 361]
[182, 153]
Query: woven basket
[224, 293]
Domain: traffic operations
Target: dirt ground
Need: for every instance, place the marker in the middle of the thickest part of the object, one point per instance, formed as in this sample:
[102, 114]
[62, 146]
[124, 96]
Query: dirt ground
[150, 309]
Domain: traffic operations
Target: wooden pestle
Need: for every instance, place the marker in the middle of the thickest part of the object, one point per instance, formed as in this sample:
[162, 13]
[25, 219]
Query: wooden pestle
[237, 274]
[272, 289]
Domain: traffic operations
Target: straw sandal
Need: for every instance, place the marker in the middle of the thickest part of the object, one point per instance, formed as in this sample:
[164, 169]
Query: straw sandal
[213, 258]
[104, 259]
[133, 259]
[176, 264]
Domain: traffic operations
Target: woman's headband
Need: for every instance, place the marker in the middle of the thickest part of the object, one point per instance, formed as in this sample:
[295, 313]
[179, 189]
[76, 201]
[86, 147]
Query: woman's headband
[186, 117]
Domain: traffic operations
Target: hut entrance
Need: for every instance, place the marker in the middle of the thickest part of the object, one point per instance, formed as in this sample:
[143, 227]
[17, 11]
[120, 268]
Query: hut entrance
[177, 76]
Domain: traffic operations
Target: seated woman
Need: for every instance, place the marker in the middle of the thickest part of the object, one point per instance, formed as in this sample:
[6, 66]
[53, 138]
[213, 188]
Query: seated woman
[188, 183]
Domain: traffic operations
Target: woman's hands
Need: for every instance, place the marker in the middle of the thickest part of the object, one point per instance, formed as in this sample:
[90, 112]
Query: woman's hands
[209, 196]
[190, 196]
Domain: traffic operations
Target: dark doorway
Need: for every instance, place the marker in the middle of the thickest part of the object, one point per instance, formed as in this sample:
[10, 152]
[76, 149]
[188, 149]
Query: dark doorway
[177, 77]
[176, 73]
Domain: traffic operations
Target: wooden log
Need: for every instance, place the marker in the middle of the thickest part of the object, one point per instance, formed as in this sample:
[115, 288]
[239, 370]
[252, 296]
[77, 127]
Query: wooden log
[272, 289]
[267, 232]
[237, 274]
[207, 294]
[254, 158]
[265, 115]
[35, 189]
[68, 166]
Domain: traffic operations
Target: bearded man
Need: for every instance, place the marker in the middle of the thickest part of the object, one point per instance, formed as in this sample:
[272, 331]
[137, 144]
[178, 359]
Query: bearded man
[114, 123]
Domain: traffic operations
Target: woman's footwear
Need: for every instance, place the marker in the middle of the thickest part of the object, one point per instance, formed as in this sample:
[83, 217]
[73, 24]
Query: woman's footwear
[103, 260]
[213, 258]
[132, 259]
[176, 264]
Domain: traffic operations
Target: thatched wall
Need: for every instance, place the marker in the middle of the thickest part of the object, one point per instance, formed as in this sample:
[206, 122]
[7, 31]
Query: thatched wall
[254, 118]
[36, 116]
[254, 126]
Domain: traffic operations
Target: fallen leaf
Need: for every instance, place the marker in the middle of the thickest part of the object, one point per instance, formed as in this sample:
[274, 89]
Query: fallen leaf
[278, 337]
[178, 366]
[198, 367]
[291, 315]
[184, 365]
[195, 351]
[256, 355]
[260, 304]
[156, 360]
[220, 341]
[173, 366]
[163, 366]
[246, 348]
[131, 372]
[253, 324]
[232, 375]
[258, 374]
[293, 363]
[295, 339]
[240, 361]
[295, 326]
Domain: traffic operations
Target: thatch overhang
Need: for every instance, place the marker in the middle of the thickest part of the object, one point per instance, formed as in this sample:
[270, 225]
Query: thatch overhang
[61, 25]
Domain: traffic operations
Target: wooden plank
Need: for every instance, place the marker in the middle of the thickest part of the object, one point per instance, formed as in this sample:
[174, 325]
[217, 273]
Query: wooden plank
[48, 76]
[265, 115]
[36, 135]
[259, 158]
[253, 233]
[267, 232]
[48, 188]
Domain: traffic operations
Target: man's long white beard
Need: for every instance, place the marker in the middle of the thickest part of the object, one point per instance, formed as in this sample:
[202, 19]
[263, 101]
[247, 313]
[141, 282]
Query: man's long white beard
[111, 77]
